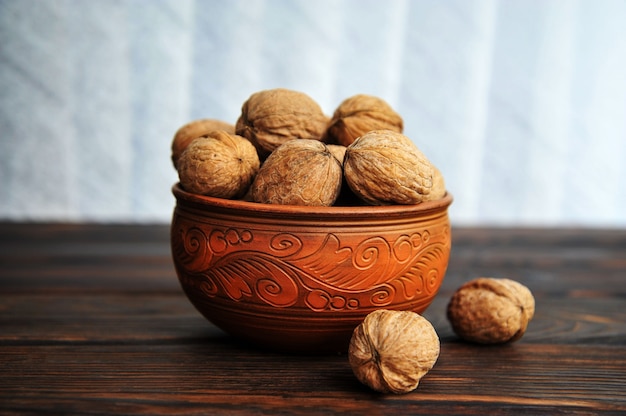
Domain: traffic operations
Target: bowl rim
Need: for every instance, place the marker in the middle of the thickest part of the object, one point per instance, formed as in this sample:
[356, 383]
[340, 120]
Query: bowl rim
[312, 211]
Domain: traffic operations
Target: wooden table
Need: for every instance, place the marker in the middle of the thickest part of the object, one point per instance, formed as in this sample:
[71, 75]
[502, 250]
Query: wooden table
[93, 321]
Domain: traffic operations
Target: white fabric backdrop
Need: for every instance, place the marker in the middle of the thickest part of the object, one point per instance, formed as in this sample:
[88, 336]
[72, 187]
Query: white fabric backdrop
[521, 103]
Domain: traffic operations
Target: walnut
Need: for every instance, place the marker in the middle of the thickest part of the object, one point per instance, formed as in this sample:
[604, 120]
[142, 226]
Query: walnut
[299, 172]
[438, 189]
[384, 167]
[358, 115]
[390, 351]
[194, 129]
[219, 164]
[272, 117]
[487, 310]
[339, 151]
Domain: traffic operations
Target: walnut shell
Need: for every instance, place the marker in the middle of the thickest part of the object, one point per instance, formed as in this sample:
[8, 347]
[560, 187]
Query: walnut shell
[272, 117]
[487, 310]
[384, 167]
[358, 115]
[390, 351]
[339, 151]
[438, 189]
[346, 197]
[299, 172]
[219, 164]
[194, 129]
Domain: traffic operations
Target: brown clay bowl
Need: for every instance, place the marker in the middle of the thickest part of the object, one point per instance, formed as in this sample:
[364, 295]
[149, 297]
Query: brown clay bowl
[300, 279]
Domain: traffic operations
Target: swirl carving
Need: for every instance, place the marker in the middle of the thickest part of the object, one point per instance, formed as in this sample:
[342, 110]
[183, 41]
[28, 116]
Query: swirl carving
[404, 247]
[190, 248]
[285, 244]
[221, 240]
[383, 295]
[320, 274]
[369, 252]
[278, 287]
[320, 300]
[208, 287]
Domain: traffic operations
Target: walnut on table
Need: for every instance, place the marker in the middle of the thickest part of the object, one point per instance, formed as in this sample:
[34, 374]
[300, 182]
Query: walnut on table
[489, 310]
[391, 351]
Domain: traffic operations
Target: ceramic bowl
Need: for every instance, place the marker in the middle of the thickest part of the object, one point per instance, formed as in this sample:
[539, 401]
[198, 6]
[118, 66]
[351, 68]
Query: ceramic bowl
[300, 279]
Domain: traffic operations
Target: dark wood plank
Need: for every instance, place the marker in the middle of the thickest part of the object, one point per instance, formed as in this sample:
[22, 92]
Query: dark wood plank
[131, 318]
[567, 262]
[93, 321]
[220, 374]
[90, 257]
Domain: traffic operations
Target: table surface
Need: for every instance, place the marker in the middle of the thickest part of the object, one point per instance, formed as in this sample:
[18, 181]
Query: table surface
[93, 321]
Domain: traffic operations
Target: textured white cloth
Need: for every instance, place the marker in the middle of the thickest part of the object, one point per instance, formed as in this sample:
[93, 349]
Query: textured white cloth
[521, 104]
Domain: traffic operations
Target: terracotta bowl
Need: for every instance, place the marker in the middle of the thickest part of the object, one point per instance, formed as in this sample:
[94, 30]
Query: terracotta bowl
[300, 279]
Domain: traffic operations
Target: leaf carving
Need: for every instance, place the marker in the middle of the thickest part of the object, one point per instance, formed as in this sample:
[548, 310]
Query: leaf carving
[256, 275]
[421, 278]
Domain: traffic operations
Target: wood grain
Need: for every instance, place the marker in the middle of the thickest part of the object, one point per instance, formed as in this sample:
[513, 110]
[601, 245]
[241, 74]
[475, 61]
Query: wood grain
[93, 321]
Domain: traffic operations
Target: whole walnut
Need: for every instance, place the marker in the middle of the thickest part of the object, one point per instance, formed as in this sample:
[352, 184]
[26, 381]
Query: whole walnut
[358, 115]
[299, 172]
[219, 164]
[438, 189]
[488, 310]
[390, 351]
[384, 167]
[272, 117]
[194, 129]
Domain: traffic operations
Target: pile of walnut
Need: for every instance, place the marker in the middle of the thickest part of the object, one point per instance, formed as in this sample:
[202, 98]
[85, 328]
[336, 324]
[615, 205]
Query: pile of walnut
[285, 150]
[390, 351]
